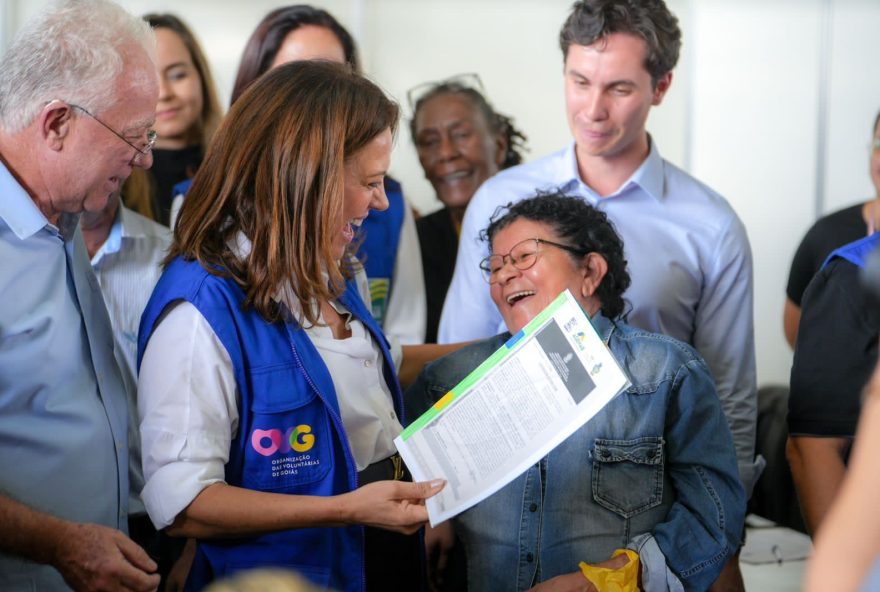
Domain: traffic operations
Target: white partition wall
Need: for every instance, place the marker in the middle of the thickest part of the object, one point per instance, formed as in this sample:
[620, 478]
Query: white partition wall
[784, 95]
[771, 104]
[854, 100]
[754, 126]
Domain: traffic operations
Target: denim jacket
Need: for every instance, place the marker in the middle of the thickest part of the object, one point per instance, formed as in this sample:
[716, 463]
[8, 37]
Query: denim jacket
[655, 471]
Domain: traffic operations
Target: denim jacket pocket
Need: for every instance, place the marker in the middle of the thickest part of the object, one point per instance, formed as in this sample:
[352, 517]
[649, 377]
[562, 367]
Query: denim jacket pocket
[627, 475]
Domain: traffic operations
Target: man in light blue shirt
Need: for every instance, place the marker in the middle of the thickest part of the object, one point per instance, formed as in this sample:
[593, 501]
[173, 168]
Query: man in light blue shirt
[688, 253]
[79, 92]
[126, 252]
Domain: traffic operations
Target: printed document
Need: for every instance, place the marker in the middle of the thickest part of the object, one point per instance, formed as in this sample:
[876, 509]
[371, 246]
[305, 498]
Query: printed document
[547, 381]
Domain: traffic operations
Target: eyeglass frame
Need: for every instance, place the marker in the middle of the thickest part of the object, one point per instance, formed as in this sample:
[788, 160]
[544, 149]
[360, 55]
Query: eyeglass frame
[152, 135]
[464, 80]
[488, 273]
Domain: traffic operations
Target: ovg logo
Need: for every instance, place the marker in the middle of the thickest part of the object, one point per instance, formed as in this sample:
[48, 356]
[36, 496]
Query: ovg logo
[268, 442]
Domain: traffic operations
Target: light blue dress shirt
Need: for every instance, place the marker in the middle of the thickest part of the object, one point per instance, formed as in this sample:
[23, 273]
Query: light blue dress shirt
[688, 256]
[127, 266]
[63, 416]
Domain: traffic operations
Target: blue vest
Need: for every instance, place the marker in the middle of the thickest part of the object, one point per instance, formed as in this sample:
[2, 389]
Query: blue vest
[378, 251]
[182, 188]
[856, 252]
[290, 437]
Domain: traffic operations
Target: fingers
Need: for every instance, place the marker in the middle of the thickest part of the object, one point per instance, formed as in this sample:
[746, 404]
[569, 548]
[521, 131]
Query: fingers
[135, 579]
[135, 567]
[423, 489]
[392, 505]
[135, 554]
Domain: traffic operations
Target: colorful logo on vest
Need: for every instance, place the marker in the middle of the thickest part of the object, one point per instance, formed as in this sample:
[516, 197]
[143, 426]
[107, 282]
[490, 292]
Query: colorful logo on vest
[269, 442]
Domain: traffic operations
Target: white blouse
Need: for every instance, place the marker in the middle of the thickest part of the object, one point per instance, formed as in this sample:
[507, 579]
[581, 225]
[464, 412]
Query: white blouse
[188, 405]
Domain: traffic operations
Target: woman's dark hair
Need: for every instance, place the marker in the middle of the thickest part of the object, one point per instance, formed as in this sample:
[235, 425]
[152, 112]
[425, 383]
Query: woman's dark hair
[593, 20]
[498, 123]
[582, 226]
[211, 113]
[275, 174]
[267, 38]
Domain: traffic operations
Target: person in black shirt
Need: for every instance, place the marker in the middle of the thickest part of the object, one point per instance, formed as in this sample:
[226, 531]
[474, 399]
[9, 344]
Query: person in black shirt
[836, 351]
[828, 233]
[461, 141]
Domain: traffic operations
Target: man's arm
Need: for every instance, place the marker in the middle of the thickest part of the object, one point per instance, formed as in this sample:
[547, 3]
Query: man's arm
[791, 318]
[469, 312]
[849, 535]
[88, 556]
[834, 357]
[724, 336]
[818, 468]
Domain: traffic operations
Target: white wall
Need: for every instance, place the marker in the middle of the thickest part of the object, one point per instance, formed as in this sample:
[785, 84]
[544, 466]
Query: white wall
[762, 72]
[744, 113]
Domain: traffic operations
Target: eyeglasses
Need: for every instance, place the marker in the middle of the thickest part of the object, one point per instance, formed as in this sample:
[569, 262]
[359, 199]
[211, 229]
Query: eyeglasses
[418, 92]
[523, 255]
[874, 146]
[140, 152]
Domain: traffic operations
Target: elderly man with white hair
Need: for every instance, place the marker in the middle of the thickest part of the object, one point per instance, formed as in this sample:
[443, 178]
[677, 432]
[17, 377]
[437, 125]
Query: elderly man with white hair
[78, 92]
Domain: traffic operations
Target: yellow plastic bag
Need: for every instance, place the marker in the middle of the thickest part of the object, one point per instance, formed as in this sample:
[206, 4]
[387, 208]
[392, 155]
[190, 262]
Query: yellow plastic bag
[623, 579]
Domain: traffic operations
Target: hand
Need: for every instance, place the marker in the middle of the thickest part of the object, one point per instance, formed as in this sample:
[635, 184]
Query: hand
[176, 579]
[392, 505]
[575, 581]
[96, 558]
[572, 582]
[439, 541]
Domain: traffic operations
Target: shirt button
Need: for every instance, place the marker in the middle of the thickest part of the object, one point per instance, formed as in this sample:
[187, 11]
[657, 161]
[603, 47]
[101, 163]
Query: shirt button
[529, 557]
[367, 363]
[533, 508]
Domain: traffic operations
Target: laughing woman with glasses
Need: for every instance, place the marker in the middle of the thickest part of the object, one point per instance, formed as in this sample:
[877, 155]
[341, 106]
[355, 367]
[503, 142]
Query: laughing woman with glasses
[461, 141]
[650, 484]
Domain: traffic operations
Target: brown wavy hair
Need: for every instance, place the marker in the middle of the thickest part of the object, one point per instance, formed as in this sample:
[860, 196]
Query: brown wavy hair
[275, 173]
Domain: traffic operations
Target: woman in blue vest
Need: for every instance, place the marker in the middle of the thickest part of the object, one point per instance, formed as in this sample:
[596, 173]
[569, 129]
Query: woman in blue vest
[268, 404]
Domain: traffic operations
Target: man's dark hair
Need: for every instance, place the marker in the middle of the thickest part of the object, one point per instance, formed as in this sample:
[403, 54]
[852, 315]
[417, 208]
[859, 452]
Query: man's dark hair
[582, 226]
[594, 20]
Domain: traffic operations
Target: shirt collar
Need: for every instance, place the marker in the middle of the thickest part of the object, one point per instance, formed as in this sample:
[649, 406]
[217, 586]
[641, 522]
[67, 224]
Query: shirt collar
[603, 326]
[17, 209]
[128, 224]
[567, 175]
[113, 244]
[648, 177]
